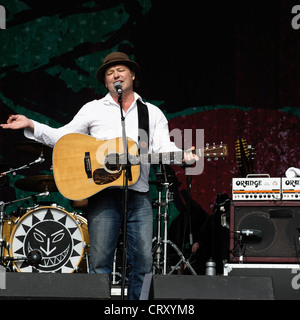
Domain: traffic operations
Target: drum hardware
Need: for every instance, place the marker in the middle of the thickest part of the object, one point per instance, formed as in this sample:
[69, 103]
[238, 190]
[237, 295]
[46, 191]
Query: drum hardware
[34, 196]
[157, 203]
[187, 226]
[38, 183]
[13, 171]
[45, 239]
[160, 266]
[182, 260]
[4, 218]
[157, 248]
[115, 273]
[33, 258]
[34, 148]
[163, 182]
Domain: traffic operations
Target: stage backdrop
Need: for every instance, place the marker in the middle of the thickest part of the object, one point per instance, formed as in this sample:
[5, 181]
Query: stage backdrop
[231, 69]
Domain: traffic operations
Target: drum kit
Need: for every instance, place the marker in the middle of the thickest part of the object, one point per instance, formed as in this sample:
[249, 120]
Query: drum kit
[47, 238]
[41, 238]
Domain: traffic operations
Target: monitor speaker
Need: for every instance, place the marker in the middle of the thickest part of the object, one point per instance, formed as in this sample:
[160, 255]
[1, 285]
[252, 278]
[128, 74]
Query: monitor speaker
[55, 286]
[190, 287]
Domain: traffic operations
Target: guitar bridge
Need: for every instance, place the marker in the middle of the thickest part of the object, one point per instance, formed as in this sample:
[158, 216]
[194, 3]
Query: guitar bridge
[87, 165]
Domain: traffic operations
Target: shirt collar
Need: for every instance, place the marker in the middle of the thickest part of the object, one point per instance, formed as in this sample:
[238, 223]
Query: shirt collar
[108, 100]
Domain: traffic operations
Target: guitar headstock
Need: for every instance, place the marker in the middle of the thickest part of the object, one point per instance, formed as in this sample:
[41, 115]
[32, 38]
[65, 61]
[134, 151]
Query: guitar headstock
[245, 156]
[215, 151]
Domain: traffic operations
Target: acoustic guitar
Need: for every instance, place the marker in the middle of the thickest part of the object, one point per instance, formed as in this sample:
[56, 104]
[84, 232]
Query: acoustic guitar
[84, 165]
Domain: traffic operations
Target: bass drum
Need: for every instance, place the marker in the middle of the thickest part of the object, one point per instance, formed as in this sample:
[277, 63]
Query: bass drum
[60, 237]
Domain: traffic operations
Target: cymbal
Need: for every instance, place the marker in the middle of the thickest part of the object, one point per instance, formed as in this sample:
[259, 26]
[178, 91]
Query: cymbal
[161, 181]
[34, 148]
[39, 183]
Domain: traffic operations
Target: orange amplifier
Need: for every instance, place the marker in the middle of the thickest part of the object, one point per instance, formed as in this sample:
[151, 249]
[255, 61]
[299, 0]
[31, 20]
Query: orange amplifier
[290, 188]
[256, 188]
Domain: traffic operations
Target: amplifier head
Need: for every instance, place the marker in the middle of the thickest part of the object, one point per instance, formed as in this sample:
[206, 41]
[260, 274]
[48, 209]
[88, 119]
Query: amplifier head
[256, 189]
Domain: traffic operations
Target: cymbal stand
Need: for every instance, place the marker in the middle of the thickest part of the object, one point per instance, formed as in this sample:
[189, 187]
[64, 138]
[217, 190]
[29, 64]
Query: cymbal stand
[2, 220]
[182, 260]
[163, 243]
[42, 194]
[173, 245]
[13, 171]
[166, 222]
[157, 248]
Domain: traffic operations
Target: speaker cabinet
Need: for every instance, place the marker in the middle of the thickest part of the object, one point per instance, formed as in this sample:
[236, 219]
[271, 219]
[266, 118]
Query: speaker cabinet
[55, 286]
[190, 287]
[279, 223]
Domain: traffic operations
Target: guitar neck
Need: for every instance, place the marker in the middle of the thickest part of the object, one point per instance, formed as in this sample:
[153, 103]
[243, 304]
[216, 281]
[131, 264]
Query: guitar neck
[176, 157]
[163, 157]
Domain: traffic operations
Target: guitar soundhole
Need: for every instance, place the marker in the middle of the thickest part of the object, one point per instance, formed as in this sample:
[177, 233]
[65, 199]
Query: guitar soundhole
[112, 162]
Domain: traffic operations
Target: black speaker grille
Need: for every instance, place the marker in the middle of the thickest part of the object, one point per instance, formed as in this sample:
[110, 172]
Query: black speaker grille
[280, 226]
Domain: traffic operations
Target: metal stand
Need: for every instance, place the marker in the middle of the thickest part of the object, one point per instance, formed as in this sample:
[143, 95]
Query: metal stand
[2, 239]
[126, 167]
[3, 218]
[161, 245]
[157, 249]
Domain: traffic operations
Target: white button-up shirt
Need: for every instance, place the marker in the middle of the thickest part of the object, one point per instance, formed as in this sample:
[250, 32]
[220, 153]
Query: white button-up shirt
[102, 119]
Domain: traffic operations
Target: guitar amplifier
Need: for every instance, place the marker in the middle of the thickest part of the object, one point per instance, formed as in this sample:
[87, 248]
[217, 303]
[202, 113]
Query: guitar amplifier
[255, 189]
[290, 188]
[265, 231]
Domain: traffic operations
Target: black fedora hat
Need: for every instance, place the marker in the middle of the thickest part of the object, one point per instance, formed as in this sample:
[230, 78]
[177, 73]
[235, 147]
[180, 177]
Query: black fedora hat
[115, 58]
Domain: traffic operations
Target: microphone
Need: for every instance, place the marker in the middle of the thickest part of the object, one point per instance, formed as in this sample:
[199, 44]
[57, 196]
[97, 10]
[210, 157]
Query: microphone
[118, 87]
[251, 233]
[34, 257]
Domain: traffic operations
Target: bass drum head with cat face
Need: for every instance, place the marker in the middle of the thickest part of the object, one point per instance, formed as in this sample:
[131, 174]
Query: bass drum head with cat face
[53, 232]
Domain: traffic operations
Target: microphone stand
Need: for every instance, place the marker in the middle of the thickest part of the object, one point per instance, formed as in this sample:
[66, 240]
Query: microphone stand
[126, 167]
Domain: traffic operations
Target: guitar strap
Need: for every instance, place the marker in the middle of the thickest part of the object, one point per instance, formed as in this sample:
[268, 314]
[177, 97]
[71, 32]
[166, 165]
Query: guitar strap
[143, 119]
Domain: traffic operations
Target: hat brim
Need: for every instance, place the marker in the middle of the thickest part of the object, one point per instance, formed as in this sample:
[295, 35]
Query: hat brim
[129, 63]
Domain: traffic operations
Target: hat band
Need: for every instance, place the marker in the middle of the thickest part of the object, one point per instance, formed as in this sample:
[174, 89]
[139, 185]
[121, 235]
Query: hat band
[114, 60]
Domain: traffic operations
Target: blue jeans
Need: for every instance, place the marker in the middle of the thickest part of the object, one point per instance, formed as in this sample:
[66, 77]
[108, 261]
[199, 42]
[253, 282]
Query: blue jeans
[105, 218]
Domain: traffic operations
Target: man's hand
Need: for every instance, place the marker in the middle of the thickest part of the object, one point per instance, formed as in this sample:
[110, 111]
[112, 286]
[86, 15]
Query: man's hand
[189, 156]
[18, 121]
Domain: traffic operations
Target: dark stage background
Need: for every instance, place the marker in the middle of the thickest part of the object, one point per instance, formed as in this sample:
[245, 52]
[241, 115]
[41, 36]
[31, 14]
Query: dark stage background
[231, 68]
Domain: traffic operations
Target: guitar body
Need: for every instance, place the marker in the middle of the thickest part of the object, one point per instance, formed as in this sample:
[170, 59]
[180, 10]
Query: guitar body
[84, 165]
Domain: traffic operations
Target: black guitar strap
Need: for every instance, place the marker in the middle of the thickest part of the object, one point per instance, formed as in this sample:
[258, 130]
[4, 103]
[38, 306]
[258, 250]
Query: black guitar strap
[143, 118]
